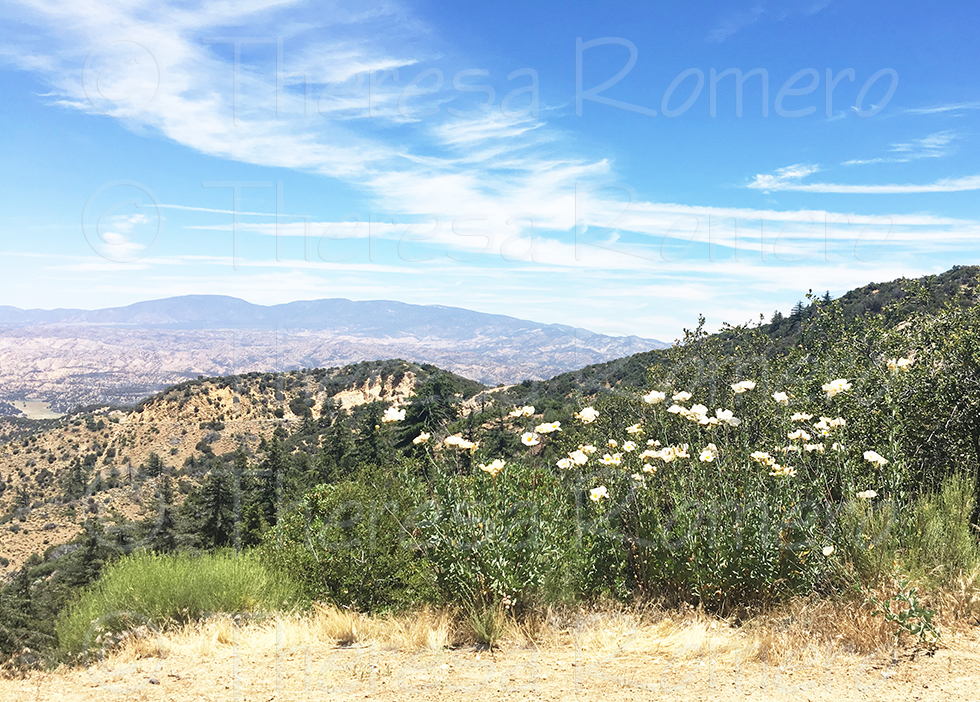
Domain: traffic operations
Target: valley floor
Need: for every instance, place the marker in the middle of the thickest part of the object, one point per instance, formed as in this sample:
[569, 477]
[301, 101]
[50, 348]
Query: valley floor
[686, 663]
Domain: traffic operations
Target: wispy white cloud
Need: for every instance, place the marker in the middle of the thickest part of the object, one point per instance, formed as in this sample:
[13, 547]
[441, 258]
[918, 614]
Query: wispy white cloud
[939, 109]
[935, 145]
[737, 20]
[788, 179]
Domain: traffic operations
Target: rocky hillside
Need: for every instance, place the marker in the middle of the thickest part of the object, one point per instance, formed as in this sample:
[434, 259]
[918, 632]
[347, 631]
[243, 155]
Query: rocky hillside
[99, 463]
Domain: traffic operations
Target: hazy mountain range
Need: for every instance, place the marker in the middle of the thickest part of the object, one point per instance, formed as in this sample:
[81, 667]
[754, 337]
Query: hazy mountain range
[70, 357]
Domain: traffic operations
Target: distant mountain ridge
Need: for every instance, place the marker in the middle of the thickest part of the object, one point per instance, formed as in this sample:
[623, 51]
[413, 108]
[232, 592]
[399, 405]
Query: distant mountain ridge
[71, 357]
[370, 317]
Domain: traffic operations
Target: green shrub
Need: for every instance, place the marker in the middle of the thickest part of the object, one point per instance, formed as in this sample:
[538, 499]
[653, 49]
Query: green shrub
[352, 544]
[942, 542]
[167, 590]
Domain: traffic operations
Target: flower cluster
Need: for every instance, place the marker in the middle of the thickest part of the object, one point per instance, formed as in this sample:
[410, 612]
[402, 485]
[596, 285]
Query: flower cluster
[587, 415]
[899, 364]
[836, 387]
[461, 443]
[743, 386]
[668, 453]
[654, 397]
[699, 415]
[525, 411]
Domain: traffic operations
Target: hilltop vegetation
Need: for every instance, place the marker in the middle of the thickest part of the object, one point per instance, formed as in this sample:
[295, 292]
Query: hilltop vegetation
[837, 454]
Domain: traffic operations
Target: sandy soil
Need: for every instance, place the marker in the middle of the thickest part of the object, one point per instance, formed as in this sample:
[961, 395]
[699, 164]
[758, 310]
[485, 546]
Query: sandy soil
[297, 672]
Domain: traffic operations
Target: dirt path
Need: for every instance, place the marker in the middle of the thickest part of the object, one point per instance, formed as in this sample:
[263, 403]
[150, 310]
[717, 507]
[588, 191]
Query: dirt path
[277, 672]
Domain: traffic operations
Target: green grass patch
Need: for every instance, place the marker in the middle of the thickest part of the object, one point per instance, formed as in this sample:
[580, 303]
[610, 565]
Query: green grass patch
[167, 590]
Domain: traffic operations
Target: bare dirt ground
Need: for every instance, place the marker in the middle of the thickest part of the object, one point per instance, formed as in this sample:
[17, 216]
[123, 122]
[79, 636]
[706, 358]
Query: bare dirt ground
[667, 662]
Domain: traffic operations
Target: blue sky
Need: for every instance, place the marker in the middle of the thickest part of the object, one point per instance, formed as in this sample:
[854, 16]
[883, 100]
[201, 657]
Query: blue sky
[468, 155]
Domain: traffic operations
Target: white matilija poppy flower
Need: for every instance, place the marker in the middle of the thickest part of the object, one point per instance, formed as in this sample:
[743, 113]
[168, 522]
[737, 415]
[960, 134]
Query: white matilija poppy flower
[682, 396]
[565, 463]
[836, 387]
[743, 386]
[459, 442]
[393, 414]
[587, 415]
[876, 458]
[599, 493]
[654, 397]
[827, 550]
[421, 438]
[781, 397]
[897, 364]
[709, 454]
[525, 411]
[548, 427]
[867, 495]
[529, 438]
[579, 457]
[493, 467]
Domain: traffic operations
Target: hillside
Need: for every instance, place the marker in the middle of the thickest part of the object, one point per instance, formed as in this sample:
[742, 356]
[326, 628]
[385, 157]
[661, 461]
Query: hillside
[108, 452]
[895, 301]
[71, 358]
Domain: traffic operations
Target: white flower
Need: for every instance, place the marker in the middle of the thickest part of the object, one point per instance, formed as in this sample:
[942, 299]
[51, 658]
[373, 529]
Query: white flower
[613, 460]
[525, 411]
[654, 397]
[783, 471]
[676, 409]
[578, 457]
[781, 397]
[682, 396]
[835, 387]
[801, 417]
[809, 448]
[529, 438]
[709, 454]
[493, 467]
[565, 463]
[587, 415]
[421, 438]
[743, 386]
[612, 443]
[629, 446]
[762, 457]
[587, 449]
[393, 414]
[548, 427]
[634, 429]
[653, 442]
[827, 550]
[897, 364]
[728, 417]
[638, 478]
[596, 494]
[459, 442]
[876, 458]
[867, 495]
[798, 434]
[647, 468]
